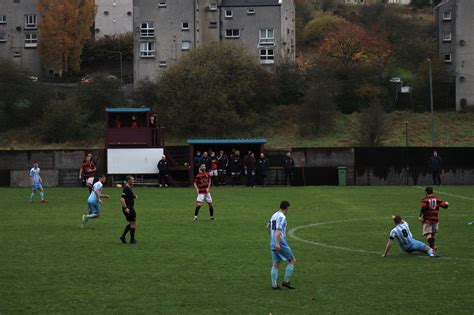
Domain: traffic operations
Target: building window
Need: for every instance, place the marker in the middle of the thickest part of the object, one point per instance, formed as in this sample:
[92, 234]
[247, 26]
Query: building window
[30, 21]
[232, 33]
[251, 12]
[447, 16]
[147, 29]
[185, 45]
[3, 19]
[212, 24]
[447, 37]
[213, 6]
[3, 37]
[31, 40]
[228, 14]
[447, 58]
[185, 26]
[147, 49]
[106, 12]
[267, 56]
[163, 63]
[162, 4]
[266, 37]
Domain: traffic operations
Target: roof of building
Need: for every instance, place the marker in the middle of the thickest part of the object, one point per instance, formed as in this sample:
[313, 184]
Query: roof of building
[226, 141]
[127, 110]
[250, 3]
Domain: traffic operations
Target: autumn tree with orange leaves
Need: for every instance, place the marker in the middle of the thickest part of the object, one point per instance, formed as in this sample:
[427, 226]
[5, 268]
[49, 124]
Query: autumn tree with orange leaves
[357, 59]
[64, 28]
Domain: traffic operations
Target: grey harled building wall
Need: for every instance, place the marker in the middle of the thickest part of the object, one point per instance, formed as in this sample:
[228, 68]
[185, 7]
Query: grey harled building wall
[205, 21]
[19, 33]
[113, 17]
[456, 46]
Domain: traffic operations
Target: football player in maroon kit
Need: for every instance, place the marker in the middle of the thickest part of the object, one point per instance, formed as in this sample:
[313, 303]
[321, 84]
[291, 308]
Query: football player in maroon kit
[202, 183]
[429, 215]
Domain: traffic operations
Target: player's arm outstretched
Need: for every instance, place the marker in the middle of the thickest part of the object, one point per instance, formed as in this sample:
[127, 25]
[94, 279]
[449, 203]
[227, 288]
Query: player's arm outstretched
[387, 247]
[444, 204]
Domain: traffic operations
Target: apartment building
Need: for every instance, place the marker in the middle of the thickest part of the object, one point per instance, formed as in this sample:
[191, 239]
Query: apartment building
[165, 30]
[19, 33]
[456, 46]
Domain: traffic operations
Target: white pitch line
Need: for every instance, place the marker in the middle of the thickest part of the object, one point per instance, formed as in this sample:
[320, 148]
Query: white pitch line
[291, 233]
[445, 193]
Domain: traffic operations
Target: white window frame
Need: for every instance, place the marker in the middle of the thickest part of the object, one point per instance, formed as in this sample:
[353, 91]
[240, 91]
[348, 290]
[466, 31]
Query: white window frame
[184, 28]
[447, 16]
[228, 14]
[447, 37]
[147, 49]
[3, 19]
[265, 57]
[232, 33]
[162, 4]
[147, 29]
[447, 60]
[31, 40]
[251, 12]
[185, 45]
[3, 39]
[163, 64]
[266, 39]
[31, 21]
[212, 6]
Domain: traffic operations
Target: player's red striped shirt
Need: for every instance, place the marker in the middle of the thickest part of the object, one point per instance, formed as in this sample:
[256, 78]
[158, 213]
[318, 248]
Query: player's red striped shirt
[214, 163]
[202, 181]
[430, 209]
[89, 165]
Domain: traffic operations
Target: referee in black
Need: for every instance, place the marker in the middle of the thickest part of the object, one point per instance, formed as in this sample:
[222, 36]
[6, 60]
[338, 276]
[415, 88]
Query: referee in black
[128, 200]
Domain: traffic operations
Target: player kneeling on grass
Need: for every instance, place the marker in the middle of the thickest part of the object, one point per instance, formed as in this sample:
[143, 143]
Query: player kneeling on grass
[94, 201]
[279, 247]
[402, 233]
[202, 183]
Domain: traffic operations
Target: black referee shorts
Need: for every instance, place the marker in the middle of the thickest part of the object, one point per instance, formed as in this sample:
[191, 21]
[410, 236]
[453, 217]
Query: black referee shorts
[131, 216]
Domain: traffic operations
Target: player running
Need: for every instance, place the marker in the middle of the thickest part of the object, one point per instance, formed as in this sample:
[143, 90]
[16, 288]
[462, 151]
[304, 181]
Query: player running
[36, 182]
[87, 171]
[429, 215]
[128, 208]
[280, 250]
[408, 244]
[94, 201]
[202, 183]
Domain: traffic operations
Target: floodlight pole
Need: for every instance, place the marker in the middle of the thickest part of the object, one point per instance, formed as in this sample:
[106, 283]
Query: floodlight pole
[121, 65]
[406, 133]
[431, 103]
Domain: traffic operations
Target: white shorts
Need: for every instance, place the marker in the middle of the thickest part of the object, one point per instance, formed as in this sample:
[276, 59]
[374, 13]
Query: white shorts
[207, 197]
[90, 181]
[213, 173]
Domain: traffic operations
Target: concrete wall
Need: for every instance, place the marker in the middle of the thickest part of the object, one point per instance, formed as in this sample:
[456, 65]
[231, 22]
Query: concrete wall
[113, 17]
[58, 168]
[464, 61]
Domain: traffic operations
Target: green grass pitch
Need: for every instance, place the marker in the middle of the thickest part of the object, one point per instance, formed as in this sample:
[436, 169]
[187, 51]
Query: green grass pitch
[50, 265]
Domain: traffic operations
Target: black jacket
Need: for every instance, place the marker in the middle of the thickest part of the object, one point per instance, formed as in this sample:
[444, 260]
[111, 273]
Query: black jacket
[288, 164]
[163, 166]
[262, 166]
[436, 164]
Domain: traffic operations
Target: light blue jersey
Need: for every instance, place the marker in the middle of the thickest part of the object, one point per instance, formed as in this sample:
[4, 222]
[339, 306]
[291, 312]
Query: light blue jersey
[35, 175]
[402, 233]
[277, 222]
[96, 188]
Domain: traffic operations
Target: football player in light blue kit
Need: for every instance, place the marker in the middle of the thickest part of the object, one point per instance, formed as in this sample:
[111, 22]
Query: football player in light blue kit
[36, 182]
[94, 201]
[279, 247]
[402, 233]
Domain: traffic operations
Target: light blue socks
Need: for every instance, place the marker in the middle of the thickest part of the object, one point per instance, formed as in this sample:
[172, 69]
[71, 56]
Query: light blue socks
[288, 272]
[42, 195]
[274, 276]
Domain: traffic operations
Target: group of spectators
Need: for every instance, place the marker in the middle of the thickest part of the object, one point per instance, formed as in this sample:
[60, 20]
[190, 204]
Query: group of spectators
[225, 169]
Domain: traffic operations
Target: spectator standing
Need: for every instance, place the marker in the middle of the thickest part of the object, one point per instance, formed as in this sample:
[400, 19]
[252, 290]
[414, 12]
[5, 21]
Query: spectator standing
[222, 165]
[236, 168]
[436, 166]
[163, 168]
[263, 165]
[288, 168]
[134, 124]
[213, 170]
[206, 160]
[251, 167]
[197, 162]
